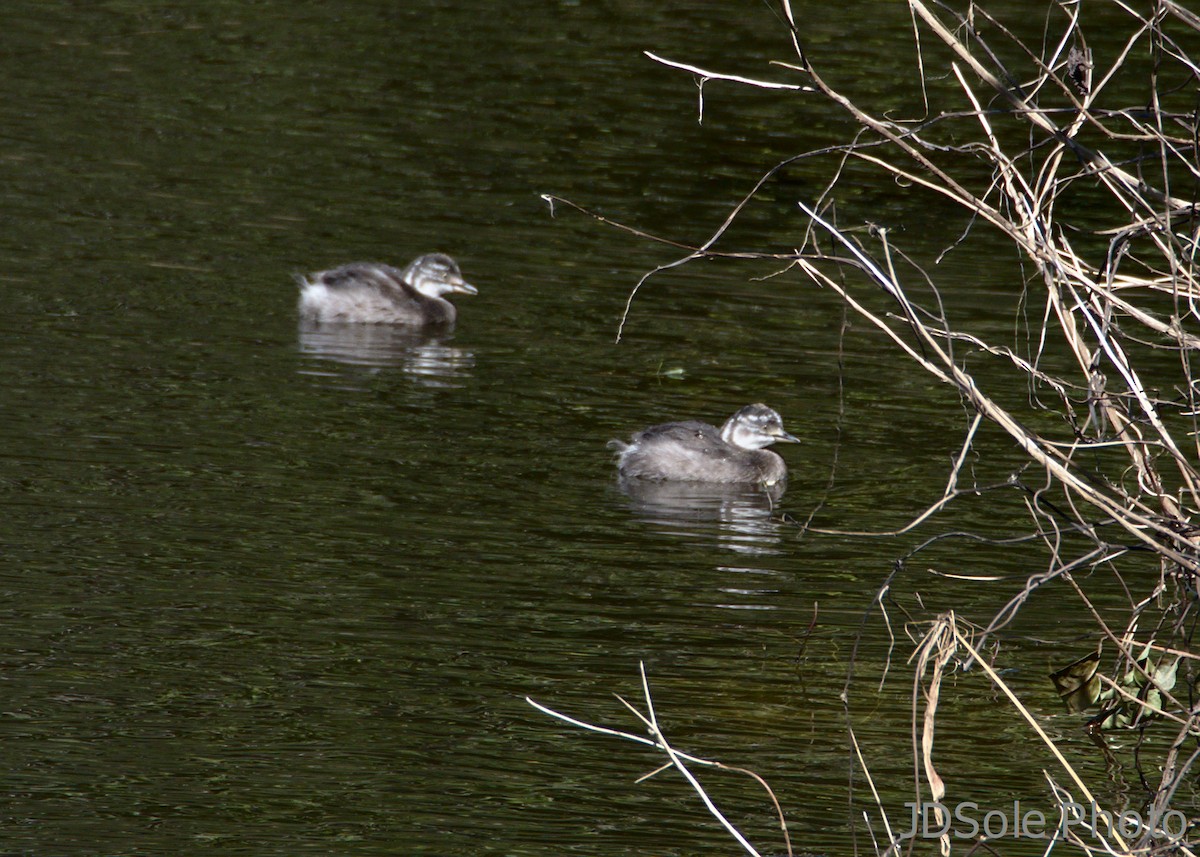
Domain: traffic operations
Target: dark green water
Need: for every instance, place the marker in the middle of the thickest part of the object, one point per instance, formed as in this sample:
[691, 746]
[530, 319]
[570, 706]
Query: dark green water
[271, 594]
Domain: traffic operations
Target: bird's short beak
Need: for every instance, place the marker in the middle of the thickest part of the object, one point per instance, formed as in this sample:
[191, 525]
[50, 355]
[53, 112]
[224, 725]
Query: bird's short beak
[465, 288]
[787, 438]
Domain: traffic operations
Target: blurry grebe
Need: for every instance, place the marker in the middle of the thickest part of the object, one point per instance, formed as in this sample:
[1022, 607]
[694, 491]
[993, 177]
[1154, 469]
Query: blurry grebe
[369, 293]
[692, 451]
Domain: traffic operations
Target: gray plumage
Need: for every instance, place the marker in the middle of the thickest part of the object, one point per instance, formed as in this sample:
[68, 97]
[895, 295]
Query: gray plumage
[372, 293]
[693, 451]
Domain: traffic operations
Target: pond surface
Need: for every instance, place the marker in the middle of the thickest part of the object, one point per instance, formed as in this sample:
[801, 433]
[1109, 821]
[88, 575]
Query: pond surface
[272, 592]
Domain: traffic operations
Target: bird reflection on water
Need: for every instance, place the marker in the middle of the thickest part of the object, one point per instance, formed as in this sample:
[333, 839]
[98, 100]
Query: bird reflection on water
[426, 357]
[743, 515]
